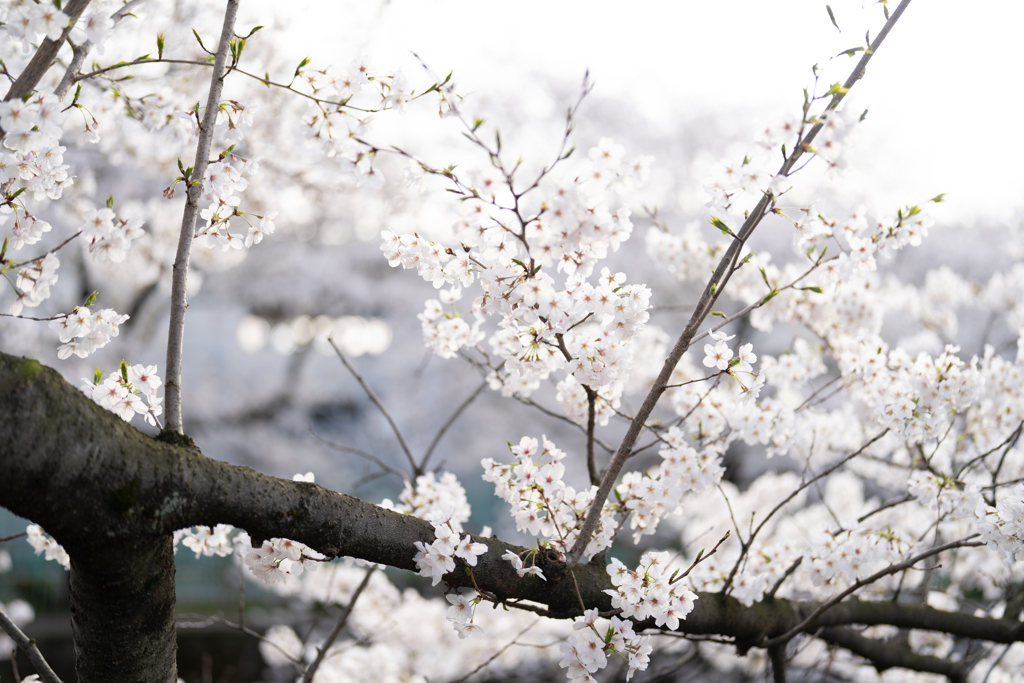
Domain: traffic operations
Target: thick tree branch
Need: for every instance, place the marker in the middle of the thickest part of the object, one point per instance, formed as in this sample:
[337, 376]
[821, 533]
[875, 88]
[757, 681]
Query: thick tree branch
[885, 655]
[103, 488]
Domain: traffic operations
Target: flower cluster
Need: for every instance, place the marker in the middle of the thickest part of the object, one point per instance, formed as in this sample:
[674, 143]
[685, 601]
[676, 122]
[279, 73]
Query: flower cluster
[461, 614]
[337, 131]
[586, 650]
[32, 130]
[649, 592]
[107, 236]
[436, 559]
[34, 281]
[123, 392]
[541, 502]
[83, 330]
[223, 179]
[1003, 525]
[540, 320]
[42, 542]
[278, 558]
[205, 541]
[651, 496]
[431, 497]
[521, 568]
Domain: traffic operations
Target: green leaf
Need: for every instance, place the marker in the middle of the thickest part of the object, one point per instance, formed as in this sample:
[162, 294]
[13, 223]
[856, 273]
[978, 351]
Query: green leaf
[833, 18]
[717, 314]
[717, 222]
[939, 198]
[815, 289]
[764, 276]
[771, 295]
[160, 46]
[852, 51]
[97, 376]
[3, 250]
[837, 89]
[124, 372]
[91, 298]
[196, 34]
[110, 201]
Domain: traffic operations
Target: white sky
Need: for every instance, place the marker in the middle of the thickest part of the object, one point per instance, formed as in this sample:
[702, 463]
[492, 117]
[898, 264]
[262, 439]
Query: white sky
[944, 91]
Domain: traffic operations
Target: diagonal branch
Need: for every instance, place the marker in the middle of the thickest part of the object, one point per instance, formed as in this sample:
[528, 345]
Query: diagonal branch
[42, 60]
[416, 471]
[713, 289]
[336, 631]
[28, 646]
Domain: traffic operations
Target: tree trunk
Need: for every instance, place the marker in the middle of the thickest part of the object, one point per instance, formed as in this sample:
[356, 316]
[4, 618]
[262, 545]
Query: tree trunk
[122, 611]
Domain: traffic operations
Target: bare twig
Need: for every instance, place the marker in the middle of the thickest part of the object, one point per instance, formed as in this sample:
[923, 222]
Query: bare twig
[176, 330]
[322, 650]
[28, 646]
[750, 539]
[362, 454]
[416, 471]
[497, 654]
[451, 420]
[701, 556]
[15, 536]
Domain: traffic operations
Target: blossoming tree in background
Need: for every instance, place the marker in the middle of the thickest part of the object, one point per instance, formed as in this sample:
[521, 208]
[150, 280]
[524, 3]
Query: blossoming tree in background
[890, 543]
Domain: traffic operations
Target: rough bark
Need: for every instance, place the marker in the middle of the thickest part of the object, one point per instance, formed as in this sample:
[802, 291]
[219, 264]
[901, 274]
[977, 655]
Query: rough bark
[112, 496]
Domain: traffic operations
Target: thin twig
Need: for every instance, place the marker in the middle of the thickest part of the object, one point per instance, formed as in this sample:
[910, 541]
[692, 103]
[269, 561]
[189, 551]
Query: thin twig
[380, 406]
[176, 329]
[497, 654]
[15, 536]
[451, 420]
[362, 454]
[701, 556]
[322, 651]
[745, 545]
[28, 646]
[778, 584]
